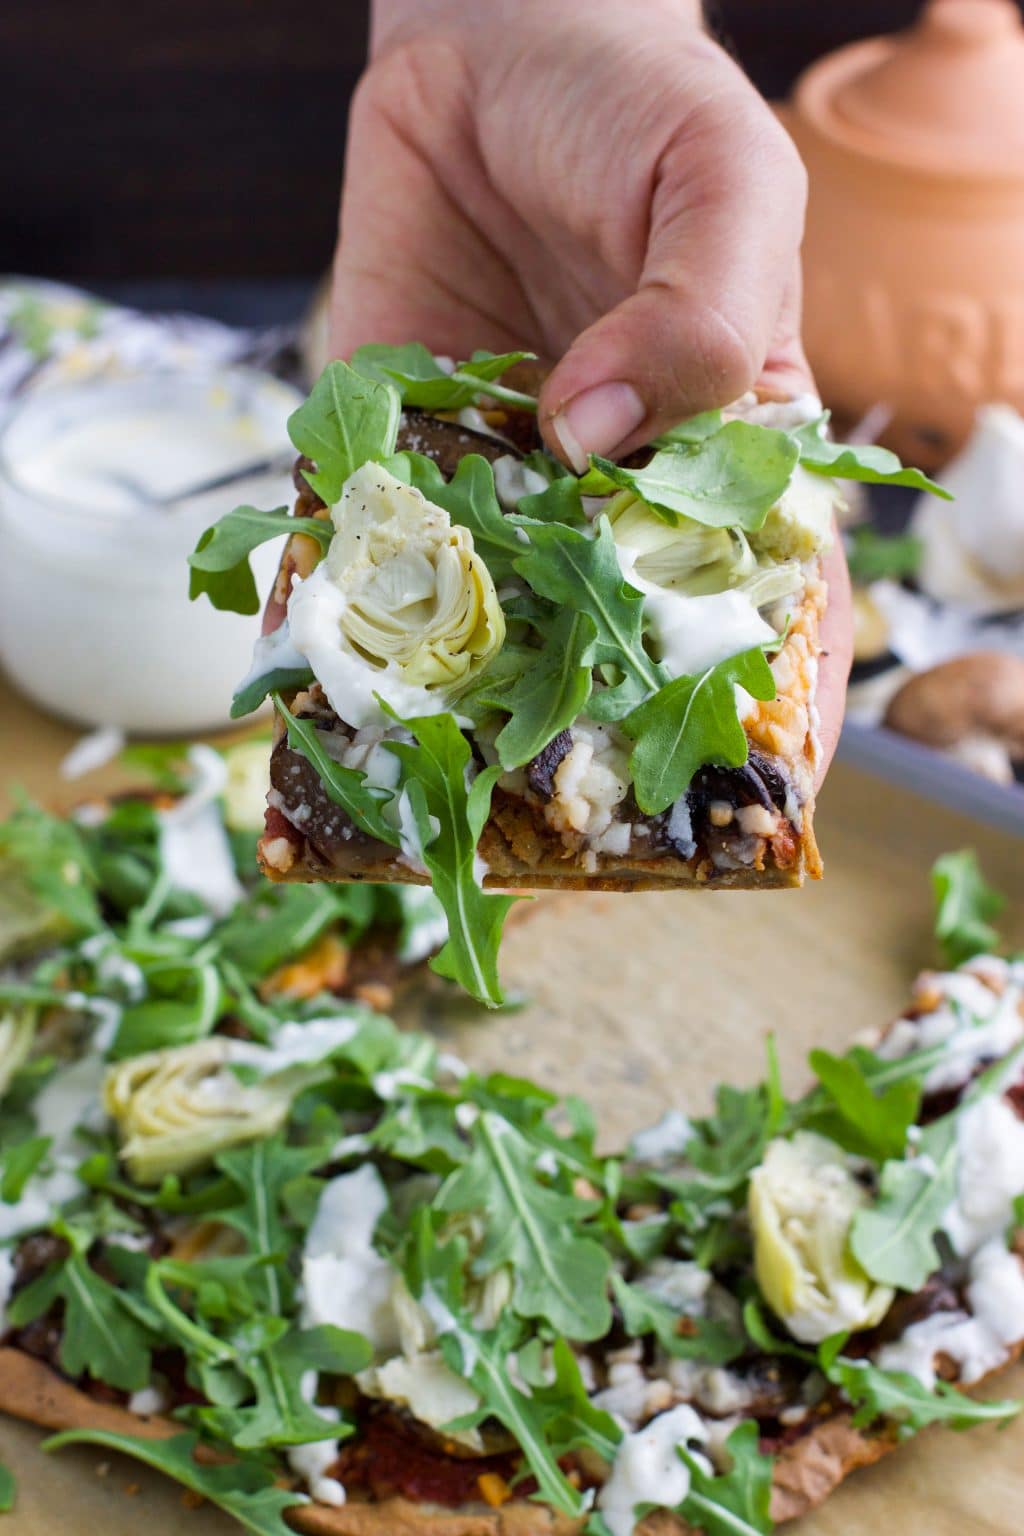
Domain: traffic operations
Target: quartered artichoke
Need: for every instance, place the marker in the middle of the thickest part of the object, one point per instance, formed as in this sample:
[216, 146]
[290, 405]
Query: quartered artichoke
[417, 593]
[803, 1199]
[176, 1109]
[17, 1029]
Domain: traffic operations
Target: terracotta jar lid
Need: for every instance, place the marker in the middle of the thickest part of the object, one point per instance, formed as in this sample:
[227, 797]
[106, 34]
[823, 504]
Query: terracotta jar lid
[947, 96]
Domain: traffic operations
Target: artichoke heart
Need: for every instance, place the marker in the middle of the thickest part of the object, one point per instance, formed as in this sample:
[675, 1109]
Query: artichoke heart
[17, 1030]
[417, 594]
[803, 1200]
[684, 556]
[176, 1109]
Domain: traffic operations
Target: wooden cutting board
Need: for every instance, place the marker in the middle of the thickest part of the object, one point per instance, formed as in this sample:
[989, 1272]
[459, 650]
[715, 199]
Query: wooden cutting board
[639, 1002]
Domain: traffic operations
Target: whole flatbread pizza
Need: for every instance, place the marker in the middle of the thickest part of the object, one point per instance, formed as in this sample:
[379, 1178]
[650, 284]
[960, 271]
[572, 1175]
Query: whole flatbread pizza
[332, 1280]
[493, 674]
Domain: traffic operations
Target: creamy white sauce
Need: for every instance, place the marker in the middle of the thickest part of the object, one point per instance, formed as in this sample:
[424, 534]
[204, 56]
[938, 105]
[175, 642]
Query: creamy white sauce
[977, 1340]
[294, 1043]
[649, 1470]
[345, 1281]
[194, 846]
[85, 556]
[692, 634]
[990, 1173]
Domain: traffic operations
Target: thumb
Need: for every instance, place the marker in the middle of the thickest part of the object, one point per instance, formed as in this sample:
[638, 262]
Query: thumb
[726, 218]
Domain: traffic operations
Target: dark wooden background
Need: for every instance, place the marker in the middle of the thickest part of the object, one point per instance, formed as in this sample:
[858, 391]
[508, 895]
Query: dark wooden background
[204, 138]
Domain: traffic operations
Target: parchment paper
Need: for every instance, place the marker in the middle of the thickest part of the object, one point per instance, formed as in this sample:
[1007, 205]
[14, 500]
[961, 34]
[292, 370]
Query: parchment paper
[639, 1002]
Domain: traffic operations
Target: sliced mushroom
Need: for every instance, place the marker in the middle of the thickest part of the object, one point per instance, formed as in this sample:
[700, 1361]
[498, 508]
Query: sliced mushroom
[971, 707]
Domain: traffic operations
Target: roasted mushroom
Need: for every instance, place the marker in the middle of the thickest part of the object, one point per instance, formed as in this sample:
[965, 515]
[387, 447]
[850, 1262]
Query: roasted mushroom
[971, 708]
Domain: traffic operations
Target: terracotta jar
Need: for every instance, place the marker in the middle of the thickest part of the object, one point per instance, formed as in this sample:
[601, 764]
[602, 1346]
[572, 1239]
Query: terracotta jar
[914, 253]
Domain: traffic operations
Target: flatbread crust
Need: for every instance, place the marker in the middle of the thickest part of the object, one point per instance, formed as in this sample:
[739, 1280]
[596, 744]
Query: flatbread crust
[806, 1471]
[519, 847]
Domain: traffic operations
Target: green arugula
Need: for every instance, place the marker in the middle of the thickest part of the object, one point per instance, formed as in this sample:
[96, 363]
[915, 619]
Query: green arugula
[690, 722]
[220, 561]
[362, 802]
[864, 1121]
[261, 1173]
[583, 575]
[434, 1273]
[246, 1489]
[277, 680]
[571, 1422]
[730, 478]
[894, 1239]
[863, 461]
[680, 1335]
[279, 922]
[873, 556]
[964, 905]
[426, 385]
[8, 1489]
[449, 816]
[280, 1414]
[693, 430]
[346, 421]
[185, 998]
[18, 1163]
[561, 1273]
[49, 854]
[99, 1334]
[545, 692]
[736, 1502]
[901, 1399]
[470, 500]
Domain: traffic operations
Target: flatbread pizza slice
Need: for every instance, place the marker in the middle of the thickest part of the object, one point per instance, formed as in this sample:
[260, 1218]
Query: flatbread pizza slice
[493, 674]
[335, 1270]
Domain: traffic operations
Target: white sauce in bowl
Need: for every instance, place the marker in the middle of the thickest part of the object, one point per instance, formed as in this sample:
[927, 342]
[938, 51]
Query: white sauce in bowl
[95, 618]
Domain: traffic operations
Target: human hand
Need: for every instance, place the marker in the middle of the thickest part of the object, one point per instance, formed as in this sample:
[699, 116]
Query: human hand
[600, 184]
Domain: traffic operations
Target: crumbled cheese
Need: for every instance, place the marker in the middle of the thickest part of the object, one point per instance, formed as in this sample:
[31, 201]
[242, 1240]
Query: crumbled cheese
[149, 1400]
[649, 1470]
[667, 1138]
[427, 1387]
[590, 781]
[345, 1281]
[716, 1390]
[975, 1022]
[615, 840]
[194, 847]
[513, 480]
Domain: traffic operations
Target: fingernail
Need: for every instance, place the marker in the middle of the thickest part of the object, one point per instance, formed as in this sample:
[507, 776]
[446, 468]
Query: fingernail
[597, 421]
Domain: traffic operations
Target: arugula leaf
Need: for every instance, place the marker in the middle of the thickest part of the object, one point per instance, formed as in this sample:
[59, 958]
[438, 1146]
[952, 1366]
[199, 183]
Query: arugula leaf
[894, 1240]
[560, 502]
[547, 692]
[280, 922]
[260, 1172]
[8, 1489]
[728, 479]
[449, 817]
[903, 1400]
[346, 421]
[690, 722]
[680, 1335]
[470, 500]
[280, 1415]
[964, 903]
[694, 430]
[185, 999]
[246, 1489]
[363, 803]
[873, 556]
[18, 1163]
[99, 1333]
[863, 461]
[583, 575]
[50, 855]
[571, 1421]
[736, 1502]
[425, 384]
[220, 561]
[433, 1272]
[561, 1274]
[865, 1122]
[278, 680]
[166, 763]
